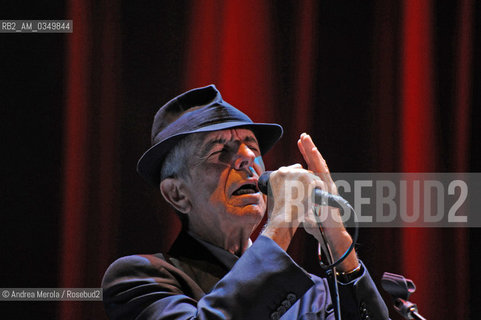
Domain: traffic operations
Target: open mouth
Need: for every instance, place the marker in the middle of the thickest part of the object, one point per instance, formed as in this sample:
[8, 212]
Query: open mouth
[246, 189]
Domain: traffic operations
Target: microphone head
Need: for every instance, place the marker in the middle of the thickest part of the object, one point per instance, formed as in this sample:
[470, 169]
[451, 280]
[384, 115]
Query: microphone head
[263, 181]
[397, 286]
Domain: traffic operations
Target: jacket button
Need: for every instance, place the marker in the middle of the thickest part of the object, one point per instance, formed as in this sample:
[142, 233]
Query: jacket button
[287, 304]
[281, 310]
[291, 297]
[329, 307]
[364, 312]
[275, 316]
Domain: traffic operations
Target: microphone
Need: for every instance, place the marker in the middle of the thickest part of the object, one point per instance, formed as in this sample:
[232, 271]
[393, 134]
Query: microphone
[321, 197]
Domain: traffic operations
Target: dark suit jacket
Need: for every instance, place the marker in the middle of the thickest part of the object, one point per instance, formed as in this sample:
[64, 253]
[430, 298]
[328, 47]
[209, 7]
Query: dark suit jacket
[195, 281]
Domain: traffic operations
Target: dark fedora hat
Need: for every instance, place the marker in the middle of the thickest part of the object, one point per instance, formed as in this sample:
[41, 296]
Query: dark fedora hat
[197, 110]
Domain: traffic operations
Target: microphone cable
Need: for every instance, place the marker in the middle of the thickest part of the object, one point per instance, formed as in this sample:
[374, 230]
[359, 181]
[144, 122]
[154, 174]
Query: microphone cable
[351, 247]
[330, 269]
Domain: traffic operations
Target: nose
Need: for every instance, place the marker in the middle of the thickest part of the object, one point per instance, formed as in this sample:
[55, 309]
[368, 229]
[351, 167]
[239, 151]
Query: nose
[244, 158]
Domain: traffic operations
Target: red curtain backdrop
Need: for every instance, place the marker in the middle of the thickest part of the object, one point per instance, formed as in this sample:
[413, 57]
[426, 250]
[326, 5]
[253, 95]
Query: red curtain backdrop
[372, 95]
[424, 250]
[74, 241]
[89, 208]
[418, 145]
[220, 52]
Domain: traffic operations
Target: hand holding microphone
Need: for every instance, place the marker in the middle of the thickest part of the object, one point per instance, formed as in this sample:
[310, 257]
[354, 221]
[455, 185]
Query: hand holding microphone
[288, 207]
[325, 193]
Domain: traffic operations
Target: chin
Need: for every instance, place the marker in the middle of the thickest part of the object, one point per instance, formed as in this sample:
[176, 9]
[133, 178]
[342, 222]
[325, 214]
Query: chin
[254, 215]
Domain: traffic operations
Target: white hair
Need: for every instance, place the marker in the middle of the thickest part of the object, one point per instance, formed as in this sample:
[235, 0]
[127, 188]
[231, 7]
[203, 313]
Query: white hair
[176, 163]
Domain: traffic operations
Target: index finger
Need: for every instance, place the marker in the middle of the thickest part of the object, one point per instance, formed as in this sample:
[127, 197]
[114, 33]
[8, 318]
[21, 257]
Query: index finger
[311, 154]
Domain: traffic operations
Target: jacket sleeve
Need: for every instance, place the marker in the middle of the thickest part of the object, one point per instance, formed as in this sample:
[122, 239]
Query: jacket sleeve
[263, 280]
[361, 298]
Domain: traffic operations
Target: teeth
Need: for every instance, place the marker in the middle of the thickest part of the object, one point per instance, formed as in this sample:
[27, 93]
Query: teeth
[246, 189]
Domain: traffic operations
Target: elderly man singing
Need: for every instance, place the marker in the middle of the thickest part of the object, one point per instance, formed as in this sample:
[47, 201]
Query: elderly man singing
[206, 159]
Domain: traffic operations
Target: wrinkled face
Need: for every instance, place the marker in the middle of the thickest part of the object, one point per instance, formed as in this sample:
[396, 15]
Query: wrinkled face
[222, 187]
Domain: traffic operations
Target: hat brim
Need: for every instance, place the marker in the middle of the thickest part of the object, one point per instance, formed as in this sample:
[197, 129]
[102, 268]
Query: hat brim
[150, 163]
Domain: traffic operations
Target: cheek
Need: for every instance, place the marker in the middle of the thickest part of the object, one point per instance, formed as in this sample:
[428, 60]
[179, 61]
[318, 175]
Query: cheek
[264, 203]
[210, 182]
[259, 165]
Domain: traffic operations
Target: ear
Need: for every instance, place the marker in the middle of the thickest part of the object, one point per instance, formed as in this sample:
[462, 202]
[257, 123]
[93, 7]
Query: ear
[173, 191]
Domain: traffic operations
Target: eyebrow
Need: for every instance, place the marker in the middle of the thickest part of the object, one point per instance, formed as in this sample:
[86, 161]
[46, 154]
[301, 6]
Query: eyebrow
[211, 143]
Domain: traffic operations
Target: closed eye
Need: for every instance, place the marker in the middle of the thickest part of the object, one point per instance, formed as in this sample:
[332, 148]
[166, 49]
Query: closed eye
[254, 148]
[218, 151]
[221, 149]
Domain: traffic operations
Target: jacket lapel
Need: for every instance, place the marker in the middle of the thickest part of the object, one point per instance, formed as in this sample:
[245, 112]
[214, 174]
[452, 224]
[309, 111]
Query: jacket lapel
[194, 259]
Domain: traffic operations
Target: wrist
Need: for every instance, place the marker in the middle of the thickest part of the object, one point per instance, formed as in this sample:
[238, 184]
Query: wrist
[350, 275]
[280, 235]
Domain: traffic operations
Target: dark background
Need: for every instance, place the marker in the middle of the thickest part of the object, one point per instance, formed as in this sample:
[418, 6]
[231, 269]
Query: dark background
[77, 109]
